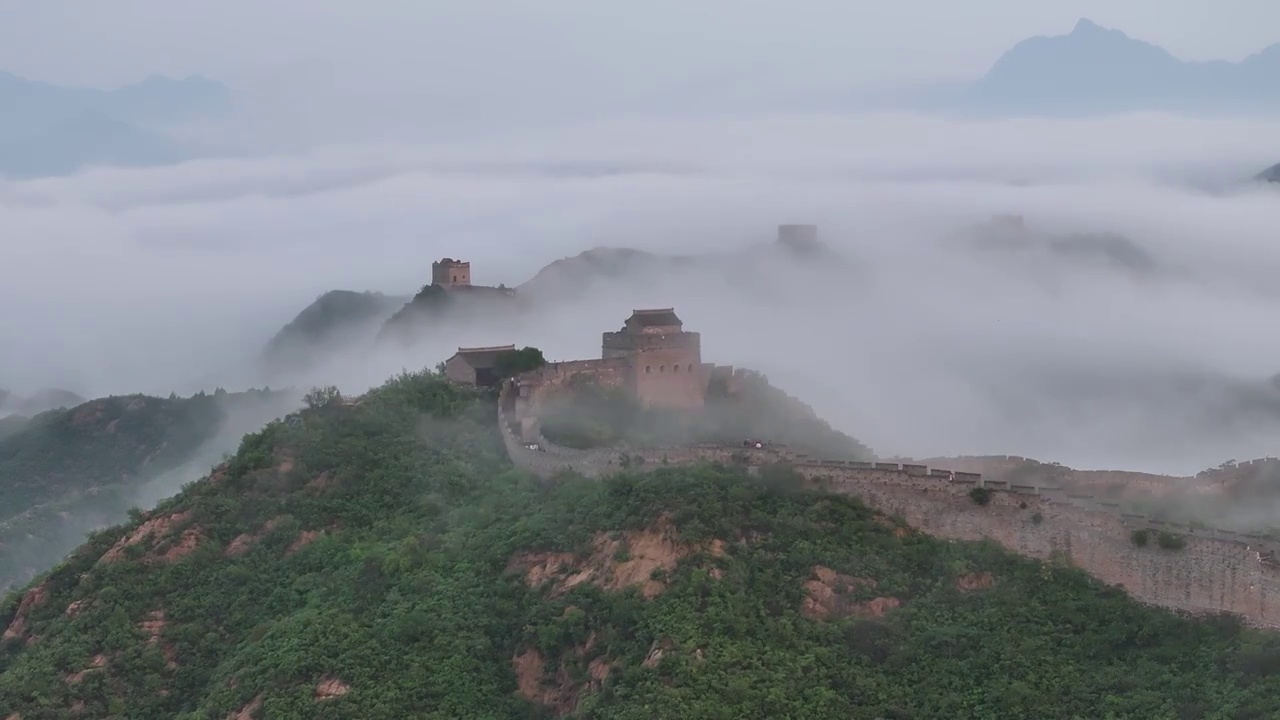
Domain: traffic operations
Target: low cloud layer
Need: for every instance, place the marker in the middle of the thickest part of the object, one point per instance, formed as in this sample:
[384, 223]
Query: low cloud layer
[121, 281]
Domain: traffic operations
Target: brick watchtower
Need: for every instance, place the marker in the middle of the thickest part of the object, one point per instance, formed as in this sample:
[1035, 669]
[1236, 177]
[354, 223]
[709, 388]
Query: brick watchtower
[664, 362]
[449, 273]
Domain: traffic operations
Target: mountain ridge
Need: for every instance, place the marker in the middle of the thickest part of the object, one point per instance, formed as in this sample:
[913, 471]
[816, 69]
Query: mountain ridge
[50, 129]
[1097, 70]
[391, 532]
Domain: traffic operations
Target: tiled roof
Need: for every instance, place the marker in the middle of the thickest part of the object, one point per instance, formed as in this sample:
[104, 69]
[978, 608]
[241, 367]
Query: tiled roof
[654, 318]
[482, 357]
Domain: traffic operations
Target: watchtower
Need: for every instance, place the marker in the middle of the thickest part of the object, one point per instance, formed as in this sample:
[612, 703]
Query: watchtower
[450, 273]
[800, 239]
[664, 362]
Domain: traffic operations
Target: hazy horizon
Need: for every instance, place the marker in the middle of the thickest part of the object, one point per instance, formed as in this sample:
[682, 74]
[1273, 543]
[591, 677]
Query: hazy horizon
[173, 278]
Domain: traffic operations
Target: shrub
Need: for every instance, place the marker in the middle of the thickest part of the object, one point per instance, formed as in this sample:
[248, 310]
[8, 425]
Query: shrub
[1140, 537]
[1037, 518]
[981, 496]
[513, 362]
[1170, 541]
[322, 397]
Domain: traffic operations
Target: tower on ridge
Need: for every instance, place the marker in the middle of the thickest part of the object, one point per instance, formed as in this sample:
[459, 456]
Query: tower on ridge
[664, 361]
[449, 273]
[798, 237]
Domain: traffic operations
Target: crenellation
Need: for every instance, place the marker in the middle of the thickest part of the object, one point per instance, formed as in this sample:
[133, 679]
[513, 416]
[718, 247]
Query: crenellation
[887, 466]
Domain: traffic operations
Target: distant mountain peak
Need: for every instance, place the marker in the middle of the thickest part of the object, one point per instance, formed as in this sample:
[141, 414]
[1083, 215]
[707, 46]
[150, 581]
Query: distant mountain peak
[1098, 69]
[1085, 25]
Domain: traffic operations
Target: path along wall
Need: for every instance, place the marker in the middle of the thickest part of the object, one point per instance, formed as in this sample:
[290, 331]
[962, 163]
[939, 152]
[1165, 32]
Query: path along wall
[1215, 570]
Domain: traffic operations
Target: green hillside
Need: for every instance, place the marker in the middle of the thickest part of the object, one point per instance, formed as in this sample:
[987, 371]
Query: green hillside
[336, 319]
[383, 560]
[65, 472]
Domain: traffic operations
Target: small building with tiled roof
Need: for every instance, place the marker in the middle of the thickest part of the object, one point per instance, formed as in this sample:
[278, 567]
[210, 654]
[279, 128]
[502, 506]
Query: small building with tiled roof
[475, 366]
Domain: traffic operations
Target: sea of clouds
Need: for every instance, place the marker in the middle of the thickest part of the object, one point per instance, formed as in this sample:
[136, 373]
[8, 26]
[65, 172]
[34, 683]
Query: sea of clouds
[173, 278]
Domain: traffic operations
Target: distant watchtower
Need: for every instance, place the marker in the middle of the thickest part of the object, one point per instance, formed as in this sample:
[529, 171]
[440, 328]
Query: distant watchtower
[664, 361]
[798, 237]
[451, 273]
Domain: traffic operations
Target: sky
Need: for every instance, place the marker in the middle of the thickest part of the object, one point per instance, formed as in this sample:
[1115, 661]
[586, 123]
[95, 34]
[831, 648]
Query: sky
[307, 72]
[407, 43]
[173, 278]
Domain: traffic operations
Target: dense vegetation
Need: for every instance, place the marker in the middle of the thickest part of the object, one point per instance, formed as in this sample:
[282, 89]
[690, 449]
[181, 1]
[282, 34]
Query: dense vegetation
[589, 415]
[373, 560]
[66, 471]
[434, 304]
[514, 362]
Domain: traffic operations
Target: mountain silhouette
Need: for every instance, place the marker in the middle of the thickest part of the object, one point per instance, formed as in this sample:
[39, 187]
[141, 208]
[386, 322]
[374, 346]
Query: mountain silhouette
[48, 129]
[1095, 69]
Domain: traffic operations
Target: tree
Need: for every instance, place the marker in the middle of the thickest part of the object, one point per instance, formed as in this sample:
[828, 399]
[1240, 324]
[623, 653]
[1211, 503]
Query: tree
[322, 397]
[513, 362]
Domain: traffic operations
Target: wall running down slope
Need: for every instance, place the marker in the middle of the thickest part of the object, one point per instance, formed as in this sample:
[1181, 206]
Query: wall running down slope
[1215, 571]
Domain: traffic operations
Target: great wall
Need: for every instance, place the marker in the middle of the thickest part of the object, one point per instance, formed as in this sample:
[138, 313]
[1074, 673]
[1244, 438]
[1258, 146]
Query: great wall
[1188, 568]
[1213, 571]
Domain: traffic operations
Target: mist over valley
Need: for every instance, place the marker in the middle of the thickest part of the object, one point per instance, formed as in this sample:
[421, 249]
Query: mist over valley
[766, 362]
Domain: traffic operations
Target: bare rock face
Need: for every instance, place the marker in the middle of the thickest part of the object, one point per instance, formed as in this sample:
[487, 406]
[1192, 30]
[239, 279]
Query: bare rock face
[1271, 174]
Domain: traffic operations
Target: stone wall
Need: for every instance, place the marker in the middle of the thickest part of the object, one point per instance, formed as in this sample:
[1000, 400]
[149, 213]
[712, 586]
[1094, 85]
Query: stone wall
[1215, 570]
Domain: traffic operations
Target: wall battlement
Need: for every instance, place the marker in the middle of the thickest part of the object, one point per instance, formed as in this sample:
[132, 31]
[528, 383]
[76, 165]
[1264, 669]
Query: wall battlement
[1215, 570]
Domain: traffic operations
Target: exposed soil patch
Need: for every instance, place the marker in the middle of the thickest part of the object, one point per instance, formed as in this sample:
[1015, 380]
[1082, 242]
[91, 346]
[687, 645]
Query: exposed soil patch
[827, 596]
[77, 607]
[559, 692]
[191, 538]
[331, 688]
[98, 662]
[658, 649]
[614, 564]
[153, 529]
[34, 598]
[154, 627]
[248, 712]
[323, 481]
[975, 581]
[305, 538]
[241, 544]
[218, 475]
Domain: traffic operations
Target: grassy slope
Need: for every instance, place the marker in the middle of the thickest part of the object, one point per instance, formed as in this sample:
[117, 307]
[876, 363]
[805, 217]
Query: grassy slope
[66, 471]
[406, 597]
